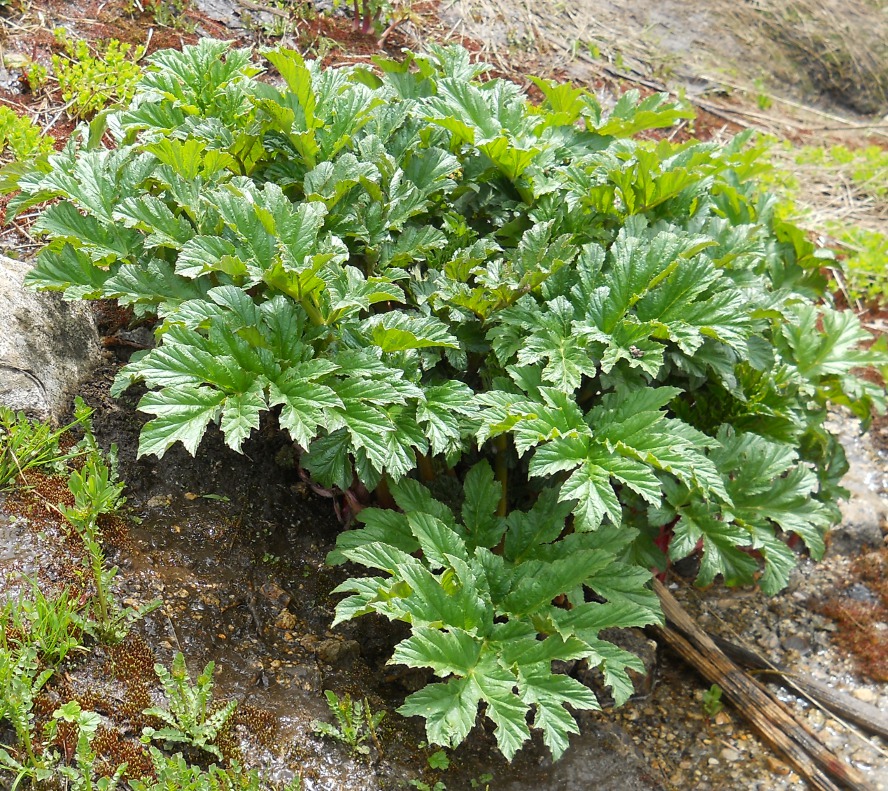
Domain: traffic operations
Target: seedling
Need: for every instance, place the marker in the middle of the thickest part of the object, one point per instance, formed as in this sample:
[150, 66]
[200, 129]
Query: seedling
[712, 700]
[354, 723]
[22, 137]
[26, 445]
[439, 760]
[97, 493]
[81, 774]
[190, 718]
[20, 682]
[92, 78]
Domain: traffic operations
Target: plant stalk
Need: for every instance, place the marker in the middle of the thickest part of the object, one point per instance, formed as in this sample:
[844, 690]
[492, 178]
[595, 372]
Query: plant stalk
[501, 443]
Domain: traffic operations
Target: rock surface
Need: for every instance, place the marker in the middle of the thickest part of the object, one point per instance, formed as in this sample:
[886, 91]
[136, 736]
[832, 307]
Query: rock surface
[47, 346]
[865, 512]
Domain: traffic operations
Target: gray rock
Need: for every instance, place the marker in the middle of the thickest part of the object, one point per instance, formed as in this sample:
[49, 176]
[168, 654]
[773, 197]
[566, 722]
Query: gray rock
[865, 512]
[47, 346]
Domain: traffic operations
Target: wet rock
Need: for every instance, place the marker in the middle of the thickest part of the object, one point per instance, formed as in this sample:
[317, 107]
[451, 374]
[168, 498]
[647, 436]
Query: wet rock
[601, 757]
[335, 652]
[865, 694]
[285, 620]
[797, 643]
[863, 518]
[276, 594]
[47, 347]
[306, 677]
[865, 512]
[860, 592]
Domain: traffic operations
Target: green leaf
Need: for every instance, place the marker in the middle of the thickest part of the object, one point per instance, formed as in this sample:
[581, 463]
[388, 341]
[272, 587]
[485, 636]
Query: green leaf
[535, 584]
[151, 214]
[67, 270]
[448, 653]
[723, 545]
[98, 240]
[834, 350]
[504, 707]
[306, 402]
[590, 486]
[397, 332]
[328, 460]
[240, 416]
[442, 414]
[479, 508]
[449, 710]
[203, 254]
[550, 693]
[182, 415]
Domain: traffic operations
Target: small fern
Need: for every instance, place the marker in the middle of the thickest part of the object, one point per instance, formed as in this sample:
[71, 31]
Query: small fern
[355, 723]
[190, 718]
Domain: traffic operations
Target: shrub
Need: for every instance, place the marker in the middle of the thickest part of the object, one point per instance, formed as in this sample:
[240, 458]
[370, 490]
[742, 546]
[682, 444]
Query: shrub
[21, 137]
[90, 79]
[615, 345]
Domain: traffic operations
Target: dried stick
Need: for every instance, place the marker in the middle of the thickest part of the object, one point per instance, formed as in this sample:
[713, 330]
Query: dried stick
[772, 719]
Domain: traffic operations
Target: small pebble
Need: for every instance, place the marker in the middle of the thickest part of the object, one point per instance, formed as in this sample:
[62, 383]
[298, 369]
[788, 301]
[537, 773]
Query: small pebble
[864, 694]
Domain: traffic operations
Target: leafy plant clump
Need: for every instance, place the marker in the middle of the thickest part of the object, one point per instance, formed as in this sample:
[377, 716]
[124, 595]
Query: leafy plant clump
[617, 348]
[176, 773]
[190, 718]
[21, 137]
[354, 722]
[89, 79]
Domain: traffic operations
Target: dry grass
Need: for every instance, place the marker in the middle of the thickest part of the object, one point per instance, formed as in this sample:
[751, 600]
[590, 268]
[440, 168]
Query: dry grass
[841, 44]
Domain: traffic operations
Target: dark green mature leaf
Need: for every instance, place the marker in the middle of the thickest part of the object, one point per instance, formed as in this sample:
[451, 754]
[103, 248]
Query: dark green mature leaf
[68, 270]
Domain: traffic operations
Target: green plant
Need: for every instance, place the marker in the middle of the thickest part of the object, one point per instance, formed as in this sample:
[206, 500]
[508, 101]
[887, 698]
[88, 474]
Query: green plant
[27, 445]
[423, 786]
[169, 13]
[439, 760]
[190, 718]
[712, 702]
[762, 98]
[36, 75]
[21, 679]
[80, 774]
[354, 722]
[54, 626]
[97, 493]
[619, 349]
[370, 16]
[280, 20]
[864, 265]
[175, 773]
[861, 174]
[477, 615]
[90, 79]
[482, 780]
[21, 136]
